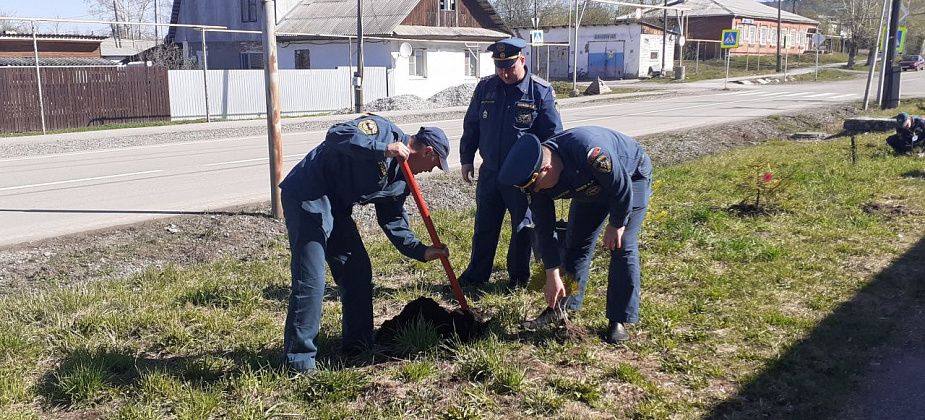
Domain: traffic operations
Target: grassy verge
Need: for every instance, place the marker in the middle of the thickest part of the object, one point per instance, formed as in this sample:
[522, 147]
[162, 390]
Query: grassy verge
[825, 75]
[104, 127]
[743, 315]
[740, 66]
[564, 89]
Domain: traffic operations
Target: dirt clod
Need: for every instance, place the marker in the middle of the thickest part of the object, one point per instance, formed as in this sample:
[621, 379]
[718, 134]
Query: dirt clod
[449, 324]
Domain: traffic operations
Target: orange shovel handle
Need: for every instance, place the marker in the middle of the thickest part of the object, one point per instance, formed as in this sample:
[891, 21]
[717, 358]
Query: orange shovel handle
[425, 214]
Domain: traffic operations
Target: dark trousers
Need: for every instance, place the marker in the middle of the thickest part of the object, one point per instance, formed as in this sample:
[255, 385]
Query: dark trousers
[492, 200]
[316, 239]
[900, 144]
[623, 275]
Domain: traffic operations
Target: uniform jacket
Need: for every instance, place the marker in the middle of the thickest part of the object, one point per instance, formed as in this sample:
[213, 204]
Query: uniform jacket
[599, 166]
[349, 167]
[499, 113]
[914, 134]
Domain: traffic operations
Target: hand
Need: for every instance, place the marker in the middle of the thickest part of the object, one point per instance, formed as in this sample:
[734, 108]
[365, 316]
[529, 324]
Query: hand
[436, 251]
[468, 172]
[613, 237]
[397, 149]
[554, 288]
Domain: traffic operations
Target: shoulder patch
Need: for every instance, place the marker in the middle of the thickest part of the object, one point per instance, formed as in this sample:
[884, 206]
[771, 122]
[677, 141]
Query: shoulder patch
[539, 80]
[368, 127]
[599, 160]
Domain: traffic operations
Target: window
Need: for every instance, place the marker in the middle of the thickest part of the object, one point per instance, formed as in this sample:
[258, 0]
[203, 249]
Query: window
[764, 36]
[303, 59]
[252, 60]
[472, 64]
[448, 5]
[772, 36]
[417, 63]
[653, 55]
[751, 34]
[741, 30]
[248, 10]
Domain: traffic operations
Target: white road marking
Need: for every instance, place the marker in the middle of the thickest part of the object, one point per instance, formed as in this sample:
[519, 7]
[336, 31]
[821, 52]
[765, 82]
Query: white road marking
[265, 159]
[822, 94]
[71, 181]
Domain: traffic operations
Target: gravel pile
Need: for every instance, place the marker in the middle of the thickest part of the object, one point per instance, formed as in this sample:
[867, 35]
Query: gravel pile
[398, 103]
[453, 96]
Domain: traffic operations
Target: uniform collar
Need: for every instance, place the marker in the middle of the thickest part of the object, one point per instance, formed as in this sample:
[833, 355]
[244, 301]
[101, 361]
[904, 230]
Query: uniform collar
[524, 85]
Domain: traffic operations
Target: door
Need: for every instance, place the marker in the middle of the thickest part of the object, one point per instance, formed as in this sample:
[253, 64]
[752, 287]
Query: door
[605, 59]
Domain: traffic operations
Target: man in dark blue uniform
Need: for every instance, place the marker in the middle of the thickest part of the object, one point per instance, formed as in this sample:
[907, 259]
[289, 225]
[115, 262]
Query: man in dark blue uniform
[503, 107]
[608, 177]
[910, 133]
[358, 163]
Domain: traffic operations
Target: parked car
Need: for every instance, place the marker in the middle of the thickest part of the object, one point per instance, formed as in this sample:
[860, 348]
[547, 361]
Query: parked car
[912, 62]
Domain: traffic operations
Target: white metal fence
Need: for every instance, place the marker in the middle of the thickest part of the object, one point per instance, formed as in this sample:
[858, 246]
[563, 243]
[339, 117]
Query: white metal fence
[240, 93]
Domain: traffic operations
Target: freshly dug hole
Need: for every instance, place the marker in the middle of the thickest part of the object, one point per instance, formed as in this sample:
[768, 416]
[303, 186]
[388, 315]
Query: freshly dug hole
[463, 324]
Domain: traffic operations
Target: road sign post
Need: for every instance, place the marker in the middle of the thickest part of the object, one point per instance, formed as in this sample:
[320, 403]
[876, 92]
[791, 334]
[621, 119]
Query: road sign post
[729, 40]
[818, 39]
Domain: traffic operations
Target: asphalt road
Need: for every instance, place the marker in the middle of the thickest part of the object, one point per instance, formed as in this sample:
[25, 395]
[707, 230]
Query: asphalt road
[57, 194]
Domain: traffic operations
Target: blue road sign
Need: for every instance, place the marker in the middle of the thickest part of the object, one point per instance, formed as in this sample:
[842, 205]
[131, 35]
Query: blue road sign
[730, 38]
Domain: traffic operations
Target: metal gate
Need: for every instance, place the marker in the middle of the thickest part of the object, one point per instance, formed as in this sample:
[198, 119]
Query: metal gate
[605, 59]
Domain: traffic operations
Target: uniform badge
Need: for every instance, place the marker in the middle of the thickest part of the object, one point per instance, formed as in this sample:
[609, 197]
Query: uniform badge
[599, 161]
[484, 114]
[524, 119]
[383, 169]
[369, 127]
[593, 190]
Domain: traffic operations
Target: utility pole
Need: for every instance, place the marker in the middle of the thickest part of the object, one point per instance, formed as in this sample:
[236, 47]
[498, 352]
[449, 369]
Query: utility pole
[534, 51]
[575, 52]
[778, 37]
[891, 86]
[664, 37]
[358, 76]
[157, 38]
[274, 125]
[875, 53]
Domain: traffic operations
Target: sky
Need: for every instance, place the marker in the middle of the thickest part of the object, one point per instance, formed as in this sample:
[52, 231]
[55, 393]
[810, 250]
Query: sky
[60, 9]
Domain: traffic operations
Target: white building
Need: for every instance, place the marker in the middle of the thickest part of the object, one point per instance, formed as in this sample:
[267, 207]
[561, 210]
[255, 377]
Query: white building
[616, 51]
[424, 45]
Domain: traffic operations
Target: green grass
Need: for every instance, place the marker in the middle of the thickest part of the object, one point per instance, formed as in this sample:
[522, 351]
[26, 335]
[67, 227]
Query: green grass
[744, 316]
[740, 66]
[826, 74]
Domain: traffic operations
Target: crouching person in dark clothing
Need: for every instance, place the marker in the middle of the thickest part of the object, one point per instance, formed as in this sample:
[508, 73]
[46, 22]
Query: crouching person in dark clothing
[608, 177]
[358, 163]
[909, 132]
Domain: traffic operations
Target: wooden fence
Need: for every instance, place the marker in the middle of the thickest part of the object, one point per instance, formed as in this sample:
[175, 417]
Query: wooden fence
[81, 97]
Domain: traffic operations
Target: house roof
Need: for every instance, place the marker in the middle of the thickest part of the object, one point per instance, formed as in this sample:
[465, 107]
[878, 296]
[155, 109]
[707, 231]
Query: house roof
[738, 8]
[126, 47]
[446, 32]
[380, 18]
[54, 62]
[598, 25]
[50, 37]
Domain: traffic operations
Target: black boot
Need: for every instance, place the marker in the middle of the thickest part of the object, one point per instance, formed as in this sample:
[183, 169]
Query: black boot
[616, 333]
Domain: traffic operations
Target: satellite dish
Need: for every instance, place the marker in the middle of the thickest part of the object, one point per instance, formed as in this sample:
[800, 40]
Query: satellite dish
[404, 50]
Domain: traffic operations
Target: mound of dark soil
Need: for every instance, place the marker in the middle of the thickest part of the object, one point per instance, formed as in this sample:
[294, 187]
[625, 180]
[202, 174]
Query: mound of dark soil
[449, 324]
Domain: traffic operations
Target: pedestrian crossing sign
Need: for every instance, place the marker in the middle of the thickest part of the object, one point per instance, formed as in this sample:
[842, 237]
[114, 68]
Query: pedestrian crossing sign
[730, 38]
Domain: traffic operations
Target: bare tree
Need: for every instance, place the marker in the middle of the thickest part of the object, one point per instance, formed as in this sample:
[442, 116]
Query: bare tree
[11, 25]
[518, 13]
[130, 11]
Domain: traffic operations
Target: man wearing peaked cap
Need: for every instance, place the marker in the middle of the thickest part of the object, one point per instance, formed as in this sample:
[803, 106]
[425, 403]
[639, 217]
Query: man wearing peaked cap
[910, 133]
[607, 176]
[357, 163]
[503, 107]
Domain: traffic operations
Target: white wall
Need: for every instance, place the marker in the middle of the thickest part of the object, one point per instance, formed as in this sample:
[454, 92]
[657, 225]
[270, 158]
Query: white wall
[637, 47]
[333, 54]
[445, 62]
[445, 68]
